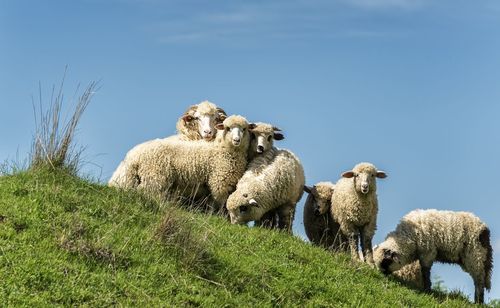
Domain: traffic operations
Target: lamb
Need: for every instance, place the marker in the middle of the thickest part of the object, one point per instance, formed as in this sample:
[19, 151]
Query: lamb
[320, 228]
[262, 139]
[354, 207]
[410, 274]
[198, 122]
[215, 165]
[443, 236]
[274, 181]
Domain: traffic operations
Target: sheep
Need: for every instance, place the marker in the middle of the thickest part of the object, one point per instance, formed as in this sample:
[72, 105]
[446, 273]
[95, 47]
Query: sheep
[443, 236]
[410, 274]
[262, 139]
[320, 228]
[354, 207]
[198, 122]
[176, 164]
[274, 181]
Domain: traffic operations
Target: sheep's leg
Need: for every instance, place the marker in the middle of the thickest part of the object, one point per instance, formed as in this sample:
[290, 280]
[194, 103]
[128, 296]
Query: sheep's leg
[268, 220]
[220, 193]
[366, 245]
[353, 245]
[426, 275]
[286, 214]
[479, 290]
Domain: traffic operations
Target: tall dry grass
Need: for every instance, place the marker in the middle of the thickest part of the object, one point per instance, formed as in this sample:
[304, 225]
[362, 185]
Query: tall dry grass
[53, 143]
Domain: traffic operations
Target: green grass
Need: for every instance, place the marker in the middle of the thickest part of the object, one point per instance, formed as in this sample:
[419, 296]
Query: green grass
[66, 241]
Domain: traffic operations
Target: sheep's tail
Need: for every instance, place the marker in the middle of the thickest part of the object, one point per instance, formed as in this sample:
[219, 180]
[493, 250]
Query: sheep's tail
[484, 238]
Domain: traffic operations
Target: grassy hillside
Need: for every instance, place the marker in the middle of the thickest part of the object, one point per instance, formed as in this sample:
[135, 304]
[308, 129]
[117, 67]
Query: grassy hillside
[66, 241]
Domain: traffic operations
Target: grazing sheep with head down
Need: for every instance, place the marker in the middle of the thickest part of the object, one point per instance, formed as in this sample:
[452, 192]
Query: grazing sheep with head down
[199, 121]
[320, 228]
[443, 236]
[355, 206]
[175, 164]
[274, 181]
[410, 274]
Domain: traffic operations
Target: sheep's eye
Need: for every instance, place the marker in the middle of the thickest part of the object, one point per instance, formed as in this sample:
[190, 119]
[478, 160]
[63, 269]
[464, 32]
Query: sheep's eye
[244, 129]
[245, 195]
[269, 138]
[227, 129]
[243, 209]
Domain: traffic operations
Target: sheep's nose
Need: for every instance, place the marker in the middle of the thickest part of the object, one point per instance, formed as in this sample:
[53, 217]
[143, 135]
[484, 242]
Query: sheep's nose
[364, 188]
[236, 139]
[260, 149]
[208, 132]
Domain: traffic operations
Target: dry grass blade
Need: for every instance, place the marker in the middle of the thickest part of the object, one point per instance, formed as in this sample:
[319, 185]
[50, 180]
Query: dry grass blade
[53, 143]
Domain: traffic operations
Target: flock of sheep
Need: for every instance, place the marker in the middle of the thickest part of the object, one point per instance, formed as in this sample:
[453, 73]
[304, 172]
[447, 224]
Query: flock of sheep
[235, 169]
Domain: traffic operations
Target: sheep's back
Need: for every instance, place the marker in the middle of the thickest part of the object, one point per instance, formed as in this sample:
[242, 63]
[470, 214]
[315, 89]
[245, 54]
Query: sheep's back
[447, 231]
[278, 174]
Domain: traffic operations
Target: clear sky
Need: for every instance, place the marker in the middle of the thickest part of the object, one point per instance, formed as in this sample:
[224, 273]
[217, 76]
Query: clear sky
[412, 86]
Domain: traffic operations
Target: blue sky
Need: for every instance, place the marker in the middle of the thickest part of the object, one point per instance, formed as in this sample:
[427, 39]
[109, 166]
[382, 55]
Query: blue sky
[410, 85]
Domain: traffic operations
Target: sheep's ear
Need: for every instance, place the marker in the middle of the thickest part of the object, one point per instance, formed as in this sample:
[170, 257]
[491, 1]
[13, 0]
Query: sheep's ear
[219, 126]
[307, 189]
[381, 174]
[252, 202]
[278, 136]
[252, 126]
[276, 129]
[187, 118]
[348, 174]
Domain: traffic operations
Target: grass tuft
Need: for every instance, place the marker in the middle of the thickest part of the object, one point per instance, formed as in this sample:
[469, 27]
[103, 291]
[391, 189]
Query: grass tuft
[53, 142]
[180, 237]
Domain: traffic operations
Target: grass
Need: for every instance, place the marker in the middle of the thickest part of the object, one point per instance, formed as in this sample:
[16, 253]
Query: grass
[67, 241]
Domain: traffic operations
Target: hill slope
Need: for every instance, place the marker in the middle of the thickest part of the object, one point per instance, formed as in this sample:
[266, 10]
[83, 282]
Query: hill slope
[67, 241]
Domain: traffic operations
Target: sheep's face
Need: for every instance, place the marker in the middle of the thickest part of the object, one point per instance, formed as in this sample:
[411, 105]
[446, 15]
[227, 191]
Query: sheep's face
[263, 136]
[235, 129]
[322, 193]
[205, 116]
[242, 208]
[388, 258]
[364, 177]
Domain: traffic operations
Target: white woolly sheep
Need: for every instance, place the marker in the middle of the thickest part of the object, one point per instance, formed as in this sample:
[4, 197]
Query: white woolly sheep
[262, 139]
[274, 181]
[177, 164]
[199, 121]
[443, 236]
[355, 206]
[320, 228]
[410, 274]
